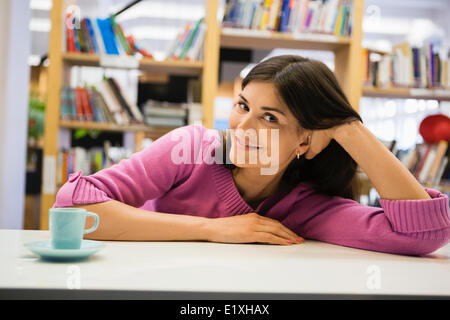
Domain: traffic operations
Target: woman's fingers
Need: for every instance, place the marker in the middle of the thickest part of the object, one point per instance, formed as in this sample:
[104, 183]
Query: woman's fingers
[278, 224]
[277, 230]
[270, 238]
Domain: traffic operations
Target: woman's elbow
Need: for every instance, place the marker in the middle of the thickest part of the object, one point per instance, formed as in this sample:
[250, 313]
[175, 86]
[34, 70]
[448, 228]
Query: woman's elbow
[417, 246]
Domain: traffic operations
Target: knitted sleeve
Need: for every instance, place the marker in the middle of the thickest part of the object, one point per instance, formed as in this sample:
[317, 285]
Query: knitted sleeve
[410, 227]
[146, 175]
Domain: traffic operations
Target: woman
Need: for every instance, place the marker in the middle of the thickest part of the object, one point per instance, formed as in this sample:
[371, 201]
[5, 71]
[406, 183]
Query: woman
[299, 119]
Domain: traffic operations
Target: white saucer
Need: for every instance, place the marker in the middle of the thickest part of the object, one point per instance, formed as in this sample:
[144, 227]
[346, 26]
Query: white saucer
[44, 249]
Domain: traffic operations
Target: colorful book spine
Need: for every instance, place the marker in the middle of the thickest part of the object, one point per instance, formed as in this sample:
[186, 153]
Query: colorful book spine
[197, 46]
[108, 36]
[69, 36]
[297, 16]
[284, 16]
[92, 35]
[408, 67]
[190, 39]
[118, 31]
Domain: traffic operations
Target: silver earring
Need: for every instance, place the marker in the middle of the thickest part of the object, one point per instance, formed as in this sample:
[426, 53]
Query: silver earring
[298, 155]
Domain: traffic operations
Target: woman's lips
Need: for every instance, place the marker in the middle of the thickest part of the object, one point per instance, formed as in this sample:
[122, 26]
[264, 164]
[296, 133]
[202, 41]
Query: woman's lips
[244, 146]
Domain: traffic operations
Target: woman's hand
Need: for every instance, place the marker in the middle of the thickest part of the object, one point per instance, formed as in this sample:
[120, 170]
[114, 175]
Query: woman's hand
[250, 227]
[319, 139]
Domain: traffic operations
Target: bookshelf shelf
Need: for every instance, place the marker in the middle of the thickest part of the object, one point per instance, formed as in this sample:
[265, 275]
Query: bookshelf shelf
[145, 64]
[408, 93]
[68, 124]
[255, 39]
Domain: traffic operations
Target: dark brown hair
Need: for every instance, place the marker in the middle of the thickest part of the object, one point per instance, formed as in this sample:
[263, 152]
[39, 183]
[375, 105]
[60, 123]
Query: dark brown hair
[313, 95]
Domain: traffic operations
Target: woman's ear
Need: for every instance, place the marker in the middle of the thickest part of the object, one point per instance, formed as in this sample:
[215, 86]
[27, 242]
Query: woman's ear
[305, 142]
[306, 138]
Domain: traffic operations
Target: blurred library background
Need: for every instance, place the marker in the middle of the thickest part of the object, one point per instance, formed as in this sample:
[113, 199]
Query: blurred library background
[87, 83]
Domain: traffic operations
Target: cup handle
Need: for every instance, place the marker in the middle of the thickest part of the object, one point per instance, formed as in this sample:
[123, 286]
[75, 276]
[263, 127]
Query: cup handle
[95, 224]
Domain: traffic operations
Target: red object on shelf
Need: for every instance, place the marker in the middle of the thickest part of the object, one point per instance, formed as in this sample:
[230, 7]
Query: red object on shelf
[435, 128]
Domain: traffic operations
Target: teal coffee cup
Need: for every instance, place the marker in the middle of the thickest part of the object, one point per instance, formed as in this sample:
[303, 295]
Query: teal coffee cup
[67, 227]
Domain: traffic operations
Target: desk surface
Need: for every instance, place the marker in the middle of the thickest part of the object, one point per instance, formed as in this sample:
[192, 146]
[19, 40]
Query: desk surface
[309, 269]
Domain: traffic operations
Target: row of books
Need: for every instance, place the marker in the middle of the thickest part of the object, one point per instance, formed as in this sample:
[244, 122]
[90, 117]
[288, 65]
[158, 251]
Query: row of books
[105, 103]
[188, 44]
[88, 161]
[428, 162]
[165, 114]
[99, 36]
[293, 16]
[406, 66]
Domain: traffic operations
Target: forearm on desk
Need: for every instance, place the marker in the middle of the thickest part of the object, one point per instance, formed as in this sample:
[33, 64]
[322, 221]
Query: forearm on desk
[119, 221]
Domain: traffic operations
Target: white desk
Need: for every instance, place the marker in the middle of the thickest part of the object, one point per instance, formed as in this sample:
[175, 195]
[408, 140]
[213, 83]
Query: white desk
[204, 270]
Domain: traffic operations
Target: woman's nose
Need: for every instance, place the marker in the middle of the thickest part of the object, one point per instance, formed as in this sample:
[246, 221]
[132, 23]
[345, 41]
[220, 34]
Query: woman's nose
[248, 131]
[246, 123]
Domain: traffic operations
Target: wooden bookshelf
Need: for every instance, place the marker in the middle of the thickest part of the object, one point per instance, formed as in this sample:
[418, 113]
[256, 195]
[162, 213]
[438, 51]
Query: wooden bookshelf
[347, 53]
[407, 93]
[69, 124]
[255, 39]
[179, 67]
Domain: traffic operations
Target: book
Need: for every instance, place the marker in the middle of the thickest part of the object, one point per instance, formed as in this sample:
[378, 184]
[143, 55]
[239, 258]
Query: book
[108, 37]
[88, 160]
[105, 103]
[118, 31]
[438, 177]
[70, 35]
[99, 115]
[284, 19]
[179, 48]
[92, 35]
[406, 67]
[79, 104]
[65, 103]
[101, 105]
[75, 37]
[165, 114]
[119, 98]
[81, 40]
[441, 150]
[296, 16]
[88, 112]
[86, 36]
[131, 108]
[189, 42]
[424, 150]
[197, 46]
[428, 161]
[165, 121]
[156, 109]
[190, 39]
[111, 102]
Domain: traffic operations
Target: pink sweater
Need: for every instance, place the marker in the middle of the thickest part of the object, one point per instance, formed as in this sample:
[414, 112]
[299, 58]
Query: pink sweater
[157, 179]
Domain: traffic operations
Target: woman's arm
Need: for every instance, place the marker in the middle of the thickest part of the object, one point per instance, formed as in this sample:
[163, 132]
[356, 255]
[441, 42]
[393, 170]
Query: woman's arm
[119, 221]
[411, 227]
[390, 177]
[412, 219]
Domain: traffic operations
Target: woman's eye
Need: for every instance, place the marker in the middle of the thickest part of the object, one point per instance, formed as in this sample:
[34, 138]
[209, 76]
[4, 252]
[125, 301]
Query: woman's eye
[273, 118]
[242, 105]
[267, 117]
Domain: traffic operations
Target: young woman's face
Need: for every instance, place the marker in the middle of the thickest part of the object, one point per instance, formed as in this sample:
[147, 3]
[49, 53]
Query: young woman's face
[261, 119]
